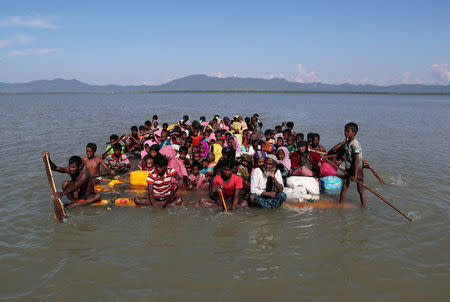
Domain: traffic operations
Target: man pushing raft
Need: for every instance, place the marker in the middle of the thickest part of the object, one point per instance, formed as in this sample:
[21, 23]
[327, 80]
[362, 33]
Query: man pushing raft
[80, 189]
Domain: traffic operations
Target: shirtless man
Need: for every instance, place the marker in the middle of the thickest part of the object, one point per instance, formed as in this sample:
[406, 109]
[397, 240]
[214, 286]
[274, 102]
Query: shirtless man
[92, 162]
[80, 189]
[315, 144]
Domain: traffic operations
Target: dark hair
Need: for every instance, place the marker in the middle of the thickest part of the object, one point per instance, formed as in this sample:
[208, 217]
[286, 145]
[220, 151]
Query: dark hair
[155, 117]
[316, 135]
[300, 136]
[226, 163]
[160, 160]
[278, 128]
[165, 125]
[147, 123]
[309, 135]
[134, 128]
[196, 164]
[141, 128]
[229, 152]
[117, 146]
[202, 118]
[189, 140]
[183, 149]
[92, 146]
[185, 117]
[268, 132]
[113, 137]
[165, 131]
[155, 147]
[75, 160]
[290, 125]
[352, 126]
[288, 131]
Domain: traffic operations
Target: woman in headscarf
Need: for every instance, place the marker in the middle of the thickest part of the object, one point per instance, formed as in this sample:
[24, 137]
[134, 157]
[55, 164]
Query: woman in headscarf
[174, 162]
[203, 148]
[300, 160]
[245, 169]
[284, 163]
[258, 158]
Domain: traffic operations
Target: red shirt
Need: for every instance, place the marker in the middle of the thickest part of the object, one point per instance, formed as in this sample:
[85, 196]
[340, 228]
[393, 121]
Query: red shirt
[235, 182]
[196, 140]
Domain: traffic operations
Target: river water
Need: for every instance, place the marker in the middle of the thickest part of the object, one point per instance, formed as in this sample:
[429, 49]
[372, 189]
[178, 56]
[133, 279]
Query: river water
[185, 253]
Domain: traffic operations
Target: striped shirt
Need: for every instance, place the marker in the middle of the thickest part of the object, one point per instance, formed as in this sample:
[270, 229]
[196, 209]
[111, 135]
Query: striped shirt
[114, 162]
[161, 184]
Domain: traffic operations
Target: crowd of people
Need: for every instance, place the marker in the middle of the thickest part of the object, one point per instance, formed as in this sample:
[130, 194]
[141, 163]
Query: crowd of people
[232, 157]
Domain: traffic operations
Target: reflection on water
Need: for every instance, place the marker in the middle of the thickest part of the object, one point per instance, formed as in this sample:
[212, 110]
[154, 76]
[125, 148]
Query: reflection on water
[190, 252]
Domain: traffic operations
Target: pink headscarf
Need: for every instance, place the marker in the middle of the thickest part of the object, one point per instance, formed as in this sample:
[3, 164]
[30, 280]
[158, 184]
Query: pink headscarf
[286, 161]
[149, 143]
[204, 144]
[174, 162]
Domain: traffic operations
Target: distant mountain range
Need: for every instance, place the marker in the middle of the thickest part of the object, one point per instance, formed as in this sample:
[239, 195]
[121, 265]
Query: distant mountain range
[206, 83]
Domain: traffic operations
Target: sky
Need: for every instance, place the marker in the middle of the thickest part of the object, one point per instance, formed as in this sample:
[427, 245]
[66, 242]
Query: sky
[153, 42]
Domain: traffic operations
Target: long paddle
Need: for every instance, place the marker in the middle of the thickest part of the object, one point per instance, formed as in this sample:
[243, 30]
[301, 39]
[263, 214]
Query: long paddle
[364, 161]
[58, 206]
[223, 201]
[369, 189]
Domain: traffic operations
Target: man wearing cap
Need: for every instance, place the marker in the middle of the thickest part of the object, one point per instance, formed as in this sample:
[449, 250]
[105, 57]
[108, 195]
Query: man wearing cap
[266, 185]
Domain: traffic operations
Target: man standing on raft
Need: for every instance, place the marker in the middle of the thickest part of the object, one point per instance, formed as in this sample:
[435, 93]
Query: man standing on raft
[80, 189]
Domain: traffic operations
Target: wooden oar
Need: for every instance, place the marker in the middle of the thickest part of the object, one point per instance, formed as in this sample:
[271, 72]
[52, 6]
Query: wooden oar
[373, 171]
[369, 189]
[223, 201]
[364, 161]
[58, 206]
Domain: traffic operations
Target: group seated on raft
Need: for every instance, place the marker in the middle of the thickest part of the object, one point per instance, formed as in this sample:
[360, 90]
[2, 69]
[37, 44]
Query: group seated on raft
[234, 158]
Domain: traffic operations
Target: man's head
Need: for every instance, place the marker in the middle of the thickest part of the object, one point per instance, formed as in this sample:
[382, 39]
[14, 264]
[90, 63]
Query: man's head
[309, 138]
[270, 162]
[113, 139]
[90, 150]
[227, 168]
[117, 148]
[160, 162]
[290, 125]
[315, 140]
[164, 135]
[74, 165]
[350, 130]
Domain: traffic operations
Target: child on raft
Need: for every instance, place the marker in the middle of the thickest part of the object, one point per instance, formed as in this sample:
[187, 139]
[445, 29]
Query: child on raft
[93, 163]
[353, 162]
[161, 188]
[117, 161]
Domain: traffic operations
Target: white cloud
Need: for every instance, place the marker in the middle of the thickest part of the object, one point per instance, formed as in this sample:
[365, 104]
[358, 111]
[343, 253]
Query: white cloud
[18, 39]
[442, 72]
[218, 74]
[305, 76]
[35, 22]
[31, 52]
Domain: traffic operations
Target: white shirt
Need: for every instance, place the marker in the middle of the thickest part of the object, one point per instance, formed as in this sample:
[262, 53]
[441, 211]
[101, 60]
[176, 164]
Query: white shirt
[258, 181]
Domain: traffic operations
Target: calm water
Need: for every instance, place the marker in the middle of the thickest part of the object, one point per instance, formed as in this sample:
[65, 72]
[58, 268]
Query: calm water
[199, 254]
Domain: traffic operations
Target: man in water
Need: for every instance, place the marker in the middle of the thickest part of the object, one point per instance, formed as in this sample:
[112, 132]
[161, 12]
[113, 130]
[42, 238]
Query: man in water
[80, 189]
[266, 185]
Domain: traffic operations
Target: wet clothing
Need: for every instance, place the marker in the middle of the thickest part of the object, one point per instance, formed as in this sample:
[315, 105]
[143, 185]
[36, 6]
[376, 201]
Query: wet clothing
[161, 184]
[235, 182]
[115, 163]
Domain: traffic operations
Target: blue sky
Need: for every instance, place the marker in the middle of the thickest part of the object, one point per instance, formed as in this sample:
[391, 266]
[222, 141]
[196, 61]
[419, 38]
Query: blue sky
[152, 42]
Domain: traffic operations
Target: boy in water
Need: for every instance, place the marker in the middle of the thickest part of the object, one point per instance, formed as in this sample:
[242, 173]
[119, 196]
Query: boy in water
[353, 162]
[80, 189]
[92, 162]
[161, 189]
[117, 161]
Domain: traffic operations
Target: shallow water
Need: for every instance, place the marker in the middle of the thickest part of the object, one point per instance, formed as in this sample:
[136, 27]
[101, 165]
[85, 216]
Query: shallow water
[193, 253]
